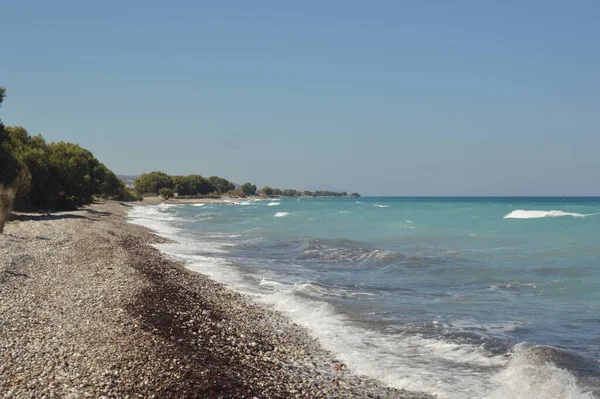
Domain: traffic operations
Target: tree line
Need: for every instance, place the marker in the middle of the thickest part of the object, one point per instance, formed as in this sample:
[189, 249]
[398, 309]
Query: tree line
[160, 183]
[275, 192]
[55, 175]
[191, 185]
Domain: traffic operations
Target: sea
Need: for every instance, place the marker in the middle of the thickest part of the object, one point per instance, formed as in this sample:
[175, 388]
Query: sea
[456, 297]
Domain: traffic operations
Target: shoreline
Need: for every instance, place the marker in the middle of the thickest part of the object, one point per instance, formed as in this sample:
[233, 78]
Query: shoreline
[90, 309]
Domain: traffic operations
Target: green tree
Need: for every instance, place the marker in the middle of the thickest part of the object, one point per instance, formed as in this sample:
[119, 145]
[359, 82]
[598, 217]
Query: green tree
[166, 193]
[266, 190]
[179, 185]
[248, 189]
[276, 191]
[8, 163]
[56, 175]
[199, 185]
[290, 193]
[152, 182]
[192, 185]
[71, 168]
[220, 185]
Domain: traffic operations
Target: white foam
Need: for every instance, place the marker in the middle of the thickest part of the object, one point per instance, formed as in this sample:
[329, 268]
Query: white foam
[270, 283]
[166, 206]
[526, 378]
[381, 206]
[527, 214]
[156, 218]
[413, 362]
[281, 214]
[273, 203]
[198, 204]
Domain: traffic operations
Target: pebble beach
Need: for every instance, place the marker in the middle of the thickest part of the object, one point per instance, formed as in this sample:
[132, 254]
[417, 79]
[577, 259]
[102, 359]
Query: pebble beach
[89, 308]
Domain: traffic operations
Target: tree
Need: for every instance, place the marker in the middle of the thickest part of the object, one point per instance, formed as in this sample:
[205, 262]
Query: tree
[266, 190]
[290, 193]
[8, 163]
[248, 189]
[308, 193]
[166, 193]
[220, 185]
[198, 185]
[179, 185]
[56, 175]
[192, 185]
[152, 182]
[71, 168]
[276, 191]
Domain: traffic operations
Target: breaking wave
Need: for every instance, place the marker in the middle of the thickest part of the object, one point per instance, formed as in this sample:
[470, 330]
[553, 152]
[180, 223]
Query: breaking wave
[540, 372]
[527, 214]
[281, 214]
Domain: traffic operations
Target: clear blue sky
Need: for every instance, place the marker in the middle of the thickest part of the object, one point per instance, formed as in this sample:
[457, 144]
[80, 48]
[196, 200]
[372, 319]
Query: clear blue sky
[383, 97]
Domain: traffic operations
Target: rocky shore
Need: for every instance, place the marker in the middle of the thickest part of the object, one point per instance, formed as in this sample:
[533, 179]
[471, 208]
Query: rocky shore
[89, 309]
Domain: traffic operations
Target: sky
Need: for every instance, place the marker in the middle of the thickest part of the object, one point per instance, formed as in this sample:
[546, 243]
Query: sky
[451, 98]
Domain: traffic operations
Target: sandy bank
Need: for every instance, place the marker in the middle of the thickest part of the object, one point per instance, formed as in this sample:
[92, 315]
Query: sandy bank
[89, 309]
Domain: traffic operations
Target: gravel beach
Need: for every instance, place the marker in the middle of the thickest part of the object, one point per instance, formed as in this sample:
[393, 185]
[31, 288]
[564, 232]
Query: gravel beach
[88, 308]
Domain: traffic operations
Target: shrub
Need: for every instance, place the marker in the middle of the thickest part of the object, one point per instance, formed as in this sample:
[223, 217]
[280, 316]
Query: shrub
[248, 189]
[152, 182]
[266, 190]
[7, 199]
[236, 193]
[166, 193]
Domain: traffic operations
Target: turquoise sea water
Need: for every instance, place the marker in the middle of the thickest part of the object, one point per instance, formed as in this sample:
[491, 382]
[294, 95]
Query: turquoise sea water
[460, 297]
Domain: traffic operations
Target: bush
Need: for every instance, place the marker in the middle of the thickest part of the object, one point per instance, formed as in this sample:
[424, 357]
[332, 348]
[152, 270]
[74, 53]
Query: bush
[236, 193]
[267, 191]
[166, 193]
[249, 189]
[152, 182]
[7, 199]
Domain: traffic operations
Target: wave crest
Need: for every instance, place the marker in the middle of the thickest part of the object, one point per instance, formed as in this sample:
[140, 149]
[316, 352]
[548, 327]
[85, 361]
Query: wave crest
[529, 214]
[542, 372]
